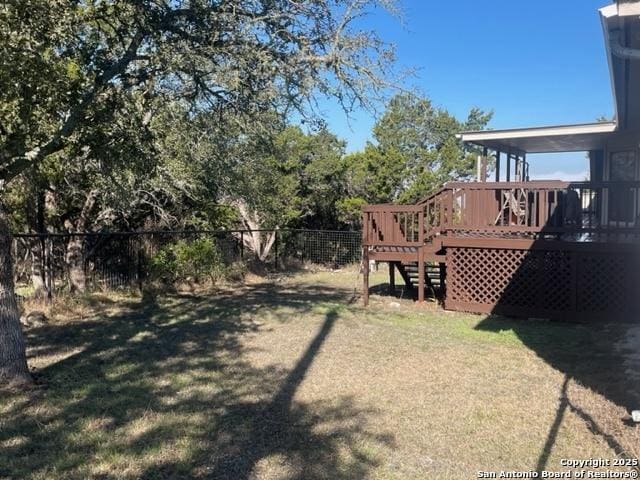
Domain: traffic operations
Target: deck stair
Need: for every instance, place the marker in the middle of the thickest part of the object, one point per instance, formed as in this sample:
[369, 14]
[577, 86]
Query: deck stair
[434, 275]
[398, 234]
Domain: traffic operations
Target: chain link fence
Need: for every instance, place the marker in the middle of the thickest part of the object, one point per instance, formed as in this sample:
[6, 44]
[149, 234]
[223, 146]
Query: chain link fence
[49, 264]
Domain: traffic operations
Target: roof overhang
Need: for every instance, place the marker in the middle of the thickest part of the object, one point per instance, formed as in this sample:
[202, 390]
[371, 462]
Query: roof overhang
[628, 8]
[562, 138]
[621, 28]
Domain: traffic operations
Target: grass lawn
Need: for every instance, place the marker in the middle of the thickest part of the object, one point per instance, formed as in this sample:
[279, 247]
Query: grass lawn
[291, 378]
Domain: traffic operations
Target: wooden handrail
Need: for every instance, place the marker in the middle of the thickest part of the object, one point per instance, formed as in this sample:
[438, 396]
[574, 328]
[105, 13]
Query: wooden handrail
[432, 195]
[391, 207]
[540, 185]
[533, 184]
[542, 206]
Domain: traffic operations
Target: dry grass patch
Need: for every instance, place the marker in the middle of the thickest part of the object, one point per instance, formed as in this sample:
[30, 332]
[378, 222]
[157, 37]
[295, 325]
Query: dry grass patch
[291, 378]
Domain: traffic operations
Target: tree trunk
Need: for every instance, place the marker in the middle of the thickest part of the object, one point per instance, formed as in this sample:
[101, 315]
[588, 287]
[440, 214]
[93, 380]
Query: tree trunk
[13, 357]
[254, 240]
[74, 259]
[38, 270]
[35, 218]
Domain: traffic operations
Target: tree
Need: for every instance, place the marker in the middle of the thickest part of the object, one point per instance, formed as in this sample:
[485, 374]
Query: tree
[415, 153]
[318, 159]
[372, 176]
[424, 137]
[263, 185]
[65, 65]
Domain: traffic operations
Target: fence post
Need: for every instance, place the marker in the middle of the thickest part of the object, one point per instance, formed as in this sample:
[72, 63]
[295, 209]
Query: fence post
[139, 266]
[43, 265]
[49, 274]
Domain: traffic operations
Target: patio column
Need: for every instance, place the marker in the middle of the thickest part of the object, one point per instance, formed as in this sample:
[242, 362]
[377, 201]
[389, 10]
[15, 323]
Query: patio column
[497, 165]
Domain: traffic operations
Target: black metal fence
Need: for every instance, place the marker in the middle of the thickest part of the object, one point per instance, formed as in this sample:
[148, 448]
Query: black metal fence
[48, 264]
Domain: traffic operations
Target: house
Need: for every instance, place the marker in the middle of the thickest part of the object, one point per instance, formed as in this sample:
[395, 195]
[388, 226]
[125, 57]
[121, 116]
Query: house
[517, 246]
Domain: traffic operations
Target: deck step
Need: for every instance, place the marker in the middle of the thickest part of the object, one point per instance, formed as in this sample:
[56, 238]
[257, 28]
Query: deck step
[409, 273]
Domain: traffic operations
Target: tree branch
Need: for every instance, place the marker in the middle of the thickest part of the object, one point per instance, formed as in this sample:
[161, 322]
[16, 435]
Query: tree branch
[18, 163]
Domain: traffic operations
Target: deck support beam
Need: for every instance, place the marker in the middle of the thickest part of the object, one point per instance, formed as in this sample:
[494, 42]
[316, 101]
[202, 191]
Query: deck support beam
[365, 274]
[421, 275]
[443, 279]
[392, 278]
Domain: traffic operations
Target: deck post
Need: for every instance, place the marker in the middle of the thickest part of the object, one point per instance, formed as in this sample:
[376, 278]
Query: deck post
[392, 278]
[365, 256]
[443, 279]
[497, 165]
[421, 274]
[365, 274]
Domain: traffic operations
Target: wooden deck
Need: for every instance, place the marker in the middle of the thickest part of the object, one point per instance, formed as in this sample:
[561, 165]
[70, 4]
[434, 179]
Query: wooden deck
[509, 229]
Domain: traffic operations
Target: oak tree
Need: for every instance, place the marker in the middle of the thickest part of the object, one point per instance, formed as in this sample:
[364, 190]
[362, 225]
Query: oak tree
[64, 65]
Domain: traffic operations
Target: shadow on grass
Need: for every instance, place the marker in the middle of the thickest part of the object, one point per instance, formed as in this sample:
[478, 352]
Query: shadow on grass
[166, 391]
[401, 291]
[586, 353]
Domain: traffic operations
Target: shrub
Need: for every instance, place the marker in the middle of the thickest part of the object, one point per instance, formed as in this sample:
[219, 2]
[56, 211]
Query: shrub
[163, 265]
[188, 261]
[236, 272]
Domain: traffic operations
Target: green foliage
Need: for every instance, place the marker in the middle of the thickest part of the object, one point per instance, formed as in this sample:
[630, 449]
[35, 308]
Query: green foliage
[415, 153]
[317, 158]
[236, 272]
[80, 82]
[349, 210]
[66, 66]
[163, 265]
[133, 115]
[153, 113]
[188, 260]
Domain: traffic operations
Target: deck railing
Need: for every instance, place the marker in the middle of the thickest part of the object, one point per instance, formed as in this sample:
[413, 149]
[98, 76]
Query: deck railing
[545, 207]
[530, 208]
[393, 225]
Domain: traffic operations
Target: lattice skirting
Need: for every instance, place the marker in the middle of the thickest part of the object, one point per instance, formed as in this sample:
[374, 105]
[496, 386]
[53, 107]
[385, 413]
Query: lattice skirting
[542, 283]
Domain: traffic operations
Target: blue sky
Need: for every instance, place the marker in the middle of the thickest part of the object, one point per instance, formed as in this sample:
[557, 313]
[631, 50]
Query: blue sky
[532, 63]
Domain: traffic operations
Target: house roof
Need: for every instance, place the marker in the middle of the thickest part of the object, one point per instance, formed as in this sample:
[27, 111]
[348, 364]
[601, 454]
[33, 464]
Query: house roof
[621, 27]
[560, 138]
